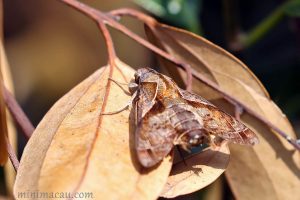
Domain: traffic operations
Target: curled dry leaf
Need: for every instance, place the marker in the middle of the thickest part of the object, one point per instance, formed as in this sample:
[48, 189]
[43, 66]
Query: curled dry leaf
[3, 126]
[11, 131]
[199, 169]
[75, 149]
[268, 170]
[3, 120]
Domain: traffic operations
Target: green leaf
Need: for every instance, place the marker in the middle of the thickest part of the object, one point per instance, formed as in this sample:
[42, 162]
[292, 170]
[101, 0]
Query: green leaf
[181, 13]
[292, 8]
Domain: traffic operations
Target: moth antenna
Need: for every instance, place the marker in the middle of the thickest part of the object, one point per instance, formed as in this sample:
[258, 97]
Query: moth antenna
[119, 84]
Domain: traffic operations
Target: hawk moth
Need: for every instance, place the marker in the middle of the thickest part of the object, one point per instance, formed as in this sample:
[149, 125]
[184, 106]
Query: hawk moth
[167, 115]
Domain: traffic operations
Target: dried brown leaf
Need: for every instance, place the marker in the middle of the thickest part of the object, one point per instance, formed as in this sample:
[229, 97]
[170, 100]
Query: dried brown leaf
[74, 148]
[3, 126]
[9, 169]
[7, 80]
[273, 163]
[198, 171]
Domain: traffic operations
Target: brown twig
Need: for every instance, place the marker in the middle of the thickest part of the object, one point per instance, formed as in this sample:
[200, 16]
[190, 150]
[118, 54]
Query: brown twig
[112, 64]
[18, 114]
[109, 44]
[134, 13]
[12, 155]
[99, 16]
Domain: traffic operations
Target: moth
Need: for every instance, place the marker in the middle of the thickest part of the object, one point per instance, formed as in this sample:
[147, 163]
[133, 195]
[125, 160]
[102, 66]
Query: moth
[166, 115]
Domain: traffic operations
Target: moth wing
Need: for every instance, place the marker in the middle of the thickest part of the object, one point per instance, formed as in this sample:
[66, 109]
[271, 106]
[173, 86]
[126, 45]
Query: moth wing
[219, 123]
[154, 137]
[146, 96]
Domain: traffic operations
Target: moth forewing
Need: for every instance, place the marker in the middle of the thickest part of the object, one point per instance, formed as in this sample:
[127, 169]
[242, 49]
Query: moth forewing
[154, 136]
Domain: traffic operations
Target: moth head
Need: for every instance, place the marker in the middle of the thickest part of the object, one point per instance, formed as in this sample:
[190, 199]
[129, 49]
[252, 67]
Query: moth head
[132, 86]
[139, 73]
[137, 76]
[142, 73]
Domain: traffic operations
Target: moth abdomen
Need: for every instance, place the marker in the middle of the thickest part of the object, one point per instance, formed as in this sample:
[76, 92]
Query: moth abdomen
[187, 124]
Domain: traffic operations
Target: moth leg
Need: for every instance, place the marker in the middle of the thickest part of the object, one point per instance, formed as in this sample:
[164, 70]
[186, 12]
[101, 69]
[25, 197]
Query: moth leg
[119, 84]
[128, 105]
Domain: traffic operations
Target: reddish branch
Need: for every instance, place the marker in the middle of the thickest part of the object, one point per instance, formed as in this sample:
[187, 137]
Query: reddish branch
[134, 13]
[111, 62]
[21, 119]
[99, 16]
[109, 44]
[12, 155]
[18, 114]
[110, 19]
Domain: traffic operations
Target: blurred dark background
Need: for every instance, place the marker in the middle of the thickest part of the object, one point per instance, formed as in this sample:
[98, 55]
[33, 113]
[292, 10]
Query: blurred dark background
[51, 47]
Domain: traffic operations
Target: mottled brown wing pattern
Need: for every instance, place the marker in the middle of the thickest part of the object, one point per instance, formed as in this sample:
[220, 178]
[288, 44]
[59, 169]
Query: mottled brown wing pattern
[219, 123]
[146, 97]
[154, 135]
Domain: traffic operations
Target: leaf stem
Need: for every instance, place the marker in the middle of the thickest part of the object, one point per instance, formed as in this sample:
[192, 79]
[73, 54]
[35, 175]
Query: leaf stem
[12, 155]
[18, 114]
[112, 64]
[108, 18]
[109, 44]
